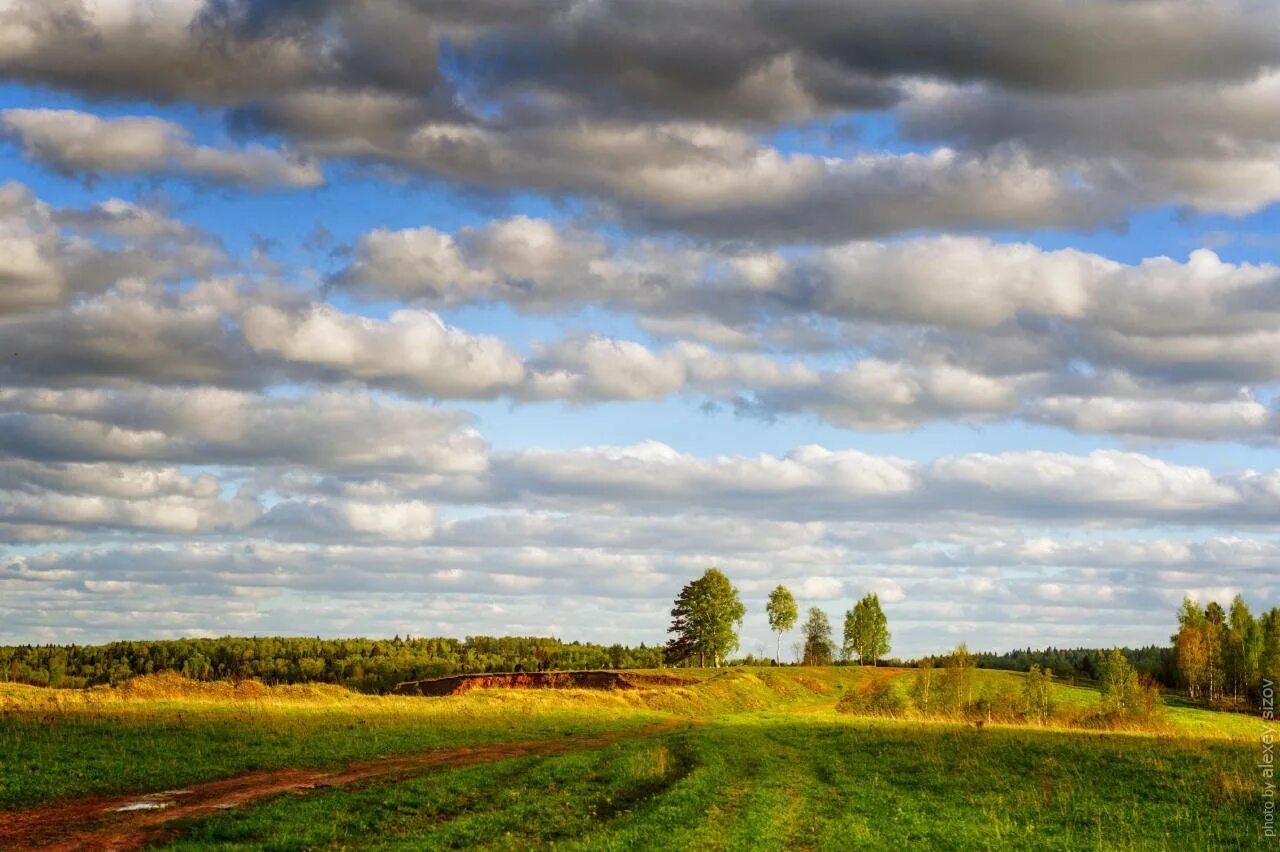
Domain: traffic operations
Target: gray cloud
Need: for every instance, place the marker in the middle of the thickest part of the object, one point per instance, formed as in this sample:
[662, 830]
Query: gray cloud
[209, 426]
[79, 143]
[1211, 147]
[767, 60]
[652, 114]
[49, 255]
[218, 52]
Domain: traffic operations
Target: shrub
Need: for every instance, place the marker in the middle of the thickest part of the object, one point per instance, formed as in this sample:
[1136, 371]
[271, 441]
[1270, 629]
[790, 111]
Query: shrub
[880, 700]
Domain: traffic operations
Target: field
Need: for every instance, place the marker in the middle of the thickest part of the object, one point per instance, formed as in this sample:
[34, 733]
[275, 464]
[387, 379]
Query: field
[737, 758]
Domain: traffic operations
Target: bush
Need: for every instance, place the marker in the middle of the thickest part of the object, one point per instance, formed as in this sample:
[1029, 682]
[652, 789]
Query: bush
[880, 700]
[1001, 705]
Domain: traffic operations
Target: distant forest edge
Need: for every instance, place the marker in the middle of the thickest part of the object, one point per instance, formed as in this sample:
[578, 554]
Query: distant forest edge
[367, 665]
[377, 665]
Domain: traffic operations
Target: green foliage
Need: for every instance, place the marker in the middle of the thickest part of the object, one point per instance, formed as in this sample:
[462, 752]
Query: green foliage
[1037, 695]
[1125, 696]
[866, 631]
[1269, 659]
[880, 700]
[1153, 661]
[367, 665]
[818, 647]
[704, 620]
[956, 692]
[1222, 656]
[783, 614]
[926, 687]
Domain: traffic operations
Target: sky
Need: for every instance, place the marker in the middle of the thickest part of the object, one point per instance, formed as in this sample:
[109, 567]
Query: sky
[431, 317]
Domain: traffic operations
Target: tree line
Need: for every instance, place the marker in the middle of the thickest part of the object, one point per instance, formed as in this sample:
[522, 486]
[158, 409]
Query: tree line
[1224, 656]
[368, 665]
[1155, 662]
[708, 612]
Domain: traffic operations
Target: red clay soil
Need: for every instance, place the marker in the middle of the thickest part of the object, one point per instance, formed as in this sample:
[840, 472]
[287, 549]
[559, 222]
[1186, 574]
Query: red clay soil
[133, 821]
[458, 684]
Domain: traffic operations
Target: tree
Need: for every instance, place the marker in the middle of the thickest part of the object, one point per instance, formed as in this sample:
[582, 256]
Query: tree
[818, 646]
[878, 629]
[1269, 659]
[1190, 645]
[957, 680]
[1215, 620]
[866, 631]
[704, 619]
[783, 614]
[925, 687]
[1242, 649]
[1037, 694]
[852, 625]
[1124, 693]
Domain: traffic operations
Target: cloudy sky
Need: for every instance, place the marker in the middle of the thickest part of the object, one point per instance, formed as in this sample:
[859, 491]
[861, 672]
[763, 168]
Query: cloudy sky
[481, 316]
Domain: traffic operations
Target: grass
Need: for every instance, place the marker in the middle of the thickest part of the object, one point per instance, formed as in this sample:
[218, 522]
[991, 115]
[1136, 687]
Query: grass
[779, 781]
[57, 745]
[770, 765]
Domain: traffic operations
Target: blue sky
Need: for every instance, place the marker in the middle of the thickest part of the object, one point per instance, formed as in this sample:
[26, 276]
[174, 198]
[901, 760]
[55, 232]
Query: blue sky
[513, 335]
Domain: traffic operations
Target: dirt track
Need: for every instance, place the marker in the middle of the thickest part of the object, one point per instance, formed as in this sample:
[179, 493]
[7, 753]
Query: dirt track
[132, 821]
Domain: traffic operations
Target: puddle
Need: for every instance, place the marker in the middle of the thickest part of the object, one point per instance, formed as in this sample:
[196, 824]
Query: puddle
[142, 806]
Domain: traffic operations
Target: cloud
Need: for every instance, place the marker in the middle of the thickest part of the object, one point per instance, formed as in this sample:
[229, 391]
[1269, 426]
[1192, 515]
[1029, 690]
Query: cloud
[349, 520]
[949, 327]
[49, 255]
[877, 394]
[103, 498]
[600, 368]
[133, 332]
[659, 120]
[816, 483]
[219, 52]
[767, 61]
[1069, 585]
[191, 443]
[956, 282]
[329, 431]
[78, 143]
[653, 473]
[719, 182]
[1211, 147]
[1241, 419]
[412, 350]
[183, 515]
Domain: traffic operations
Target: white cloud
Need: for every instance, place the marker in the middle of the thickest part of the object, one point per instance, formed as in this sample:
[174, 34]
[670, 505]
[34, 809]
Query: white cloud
[413, 350]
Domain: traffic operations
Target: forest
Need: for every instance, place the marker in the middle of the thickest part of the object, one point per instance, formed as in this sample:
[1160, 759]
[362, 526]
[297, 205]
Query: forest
[367, 665]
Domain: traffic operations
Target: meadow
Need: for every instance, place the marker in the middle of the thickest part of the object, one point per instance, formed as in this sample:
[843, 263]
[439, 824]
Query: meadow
[732, 758]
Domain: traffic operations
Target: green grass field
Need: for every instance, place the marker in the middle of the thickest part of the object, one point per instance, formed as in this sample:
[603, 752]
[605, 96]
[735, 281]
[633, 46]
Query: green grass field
[756, 758]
